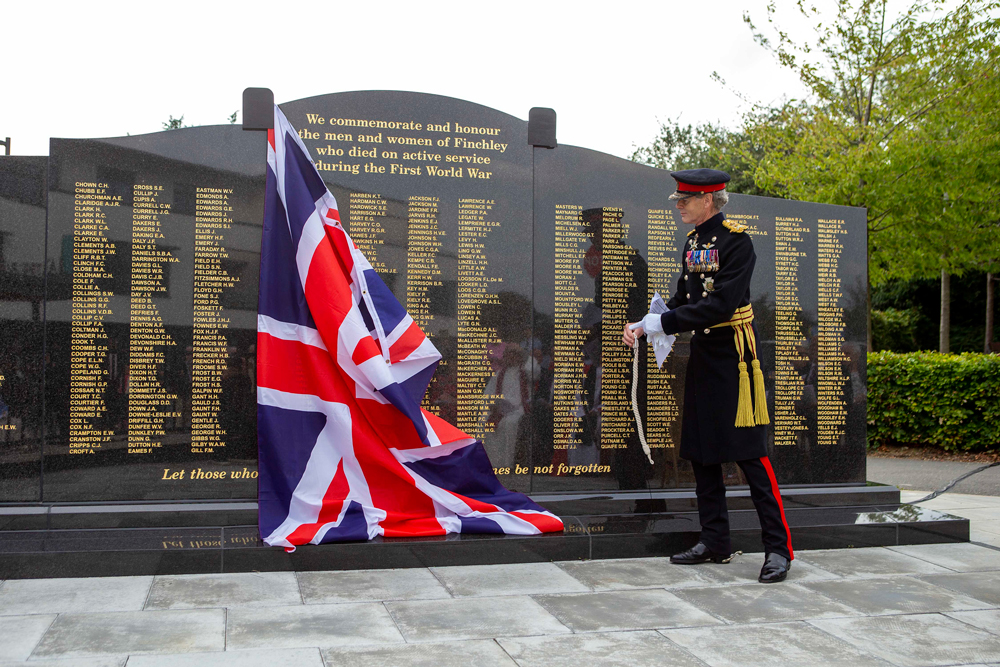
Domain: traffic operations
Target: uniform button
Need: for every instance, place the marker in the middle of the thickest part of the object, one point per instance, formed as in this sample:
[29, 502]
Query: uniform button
[713, 239]
[703, 275]
[704, 293]
[685, 277]
[707, 330]
[689, 295]
[693, 332]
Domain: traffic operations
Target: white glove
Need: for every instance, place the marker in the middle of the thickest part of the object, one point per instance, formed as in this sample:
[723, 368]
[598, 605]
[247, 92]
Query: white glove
[651, 324]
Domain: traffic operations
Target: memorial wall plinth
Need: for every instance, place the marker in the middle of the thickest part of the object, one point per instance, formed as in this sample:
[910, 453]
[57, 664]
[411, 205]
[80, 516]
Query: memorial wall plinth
[130, 269]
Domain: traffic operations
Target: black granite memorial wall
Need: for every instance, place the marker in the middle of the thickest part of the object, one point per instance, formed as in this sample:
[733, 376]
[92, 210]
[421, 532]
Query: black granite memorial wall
[128, 303]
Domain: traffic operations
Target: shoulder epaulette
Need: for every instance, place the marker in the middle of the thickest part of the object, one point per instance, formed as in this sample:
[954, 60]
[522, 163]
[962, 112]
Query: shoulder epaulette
[693, 231]
[734, 227]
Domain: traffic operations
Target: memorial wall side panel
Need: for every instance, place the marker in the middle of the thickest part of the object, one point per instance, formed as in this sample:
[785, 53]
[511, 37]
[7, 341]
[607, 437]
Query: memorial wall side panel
[606, 239]
[151, 316]
[437, 193]
[809, 300]
[22, 280]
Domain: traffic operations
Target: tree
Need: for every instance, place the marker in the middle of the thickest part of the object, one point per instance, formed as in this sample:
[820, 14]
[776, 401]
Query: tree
[707, 145]
[900, 118]
[174, 123]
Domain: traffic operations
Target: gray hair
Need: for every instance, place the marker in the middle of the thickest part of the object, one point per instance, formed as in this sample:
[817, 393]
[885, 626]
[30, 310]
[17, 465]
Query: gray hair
[719, 199]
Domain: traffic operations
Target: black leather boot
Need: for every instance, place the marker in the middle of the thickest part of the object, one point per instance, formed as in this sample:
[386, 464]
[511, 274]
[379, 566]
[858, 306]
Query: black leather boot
[699, 553]
[775, 569]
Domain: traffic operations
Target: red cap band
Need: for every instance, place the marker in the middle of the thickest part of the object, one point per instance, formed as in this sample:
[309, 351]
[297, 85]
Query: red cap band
[687, 187]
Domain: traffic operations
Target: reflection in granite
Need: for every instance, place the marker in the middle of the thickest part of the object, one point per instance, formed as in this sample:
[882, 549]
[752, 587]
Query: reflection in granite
[23, 272]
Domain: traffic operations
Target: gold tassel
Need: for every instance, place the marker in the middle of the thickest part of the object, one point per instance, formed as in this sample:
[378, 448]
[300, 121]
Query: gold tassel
[760, 398]
[744, 413]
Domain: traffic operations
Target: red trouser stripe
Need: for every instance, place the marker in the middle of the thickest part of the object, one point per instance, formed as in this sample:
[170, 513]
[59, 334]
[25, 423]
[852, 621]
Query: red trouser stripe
[777, 496]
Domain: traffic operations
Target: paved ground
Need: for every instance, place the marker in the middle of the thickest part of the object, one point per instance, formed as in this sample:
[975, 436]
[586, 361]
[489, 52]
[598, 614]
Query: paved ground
[933, 475]
[922, 605]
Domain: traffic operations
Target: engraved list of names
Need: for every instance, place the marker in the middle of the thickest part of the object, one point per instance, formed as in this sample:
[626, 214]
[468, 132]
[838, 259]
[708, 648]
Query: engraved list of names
[832, 409]
[662, 413]
[476, 220]
[789, 344]
[210, 350]
[90, 305]
[617, 424]
[567, 375]
[149, 403]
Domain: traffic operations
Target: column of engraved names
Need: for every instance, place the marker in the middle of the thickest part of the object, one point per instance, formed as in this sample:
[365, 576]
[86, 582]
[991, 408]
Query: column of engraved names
[616, 359]
[788, 338]
[149, 404]
[567, 357]
[210, 349]
[476, 220]
[366, 225]
[423, 243]
[661, 254]
[831, 406]
[90, 305]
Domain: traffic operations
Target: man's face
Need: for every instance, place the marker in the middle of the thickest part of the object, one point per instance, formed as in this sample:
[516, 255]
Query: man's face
[695, 209]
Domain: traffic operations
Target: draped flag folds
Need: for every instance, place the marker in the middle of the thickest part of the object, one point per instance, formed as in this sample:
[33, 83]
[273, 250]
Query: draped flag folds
[346, 452]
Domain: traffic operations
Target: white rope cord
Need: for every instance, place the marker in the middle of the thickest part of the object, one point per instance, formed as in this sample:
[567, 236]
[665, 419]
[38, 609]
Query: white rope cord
[635, 401]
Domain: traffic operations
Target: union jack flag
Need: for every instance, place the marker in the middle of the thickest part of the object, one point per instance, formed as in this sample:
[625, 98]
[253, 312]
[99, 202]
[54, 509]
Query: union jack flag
[346, 451]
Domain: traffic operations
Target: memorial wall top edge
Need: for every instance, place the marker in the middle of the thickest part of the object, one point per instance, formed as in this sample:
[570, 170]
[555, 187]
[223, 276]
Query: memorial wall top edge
[396, 97]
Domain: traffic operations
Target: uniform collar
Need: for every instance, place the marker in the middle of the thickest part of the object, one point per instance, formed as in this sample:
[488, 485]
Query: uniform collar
[711, 224]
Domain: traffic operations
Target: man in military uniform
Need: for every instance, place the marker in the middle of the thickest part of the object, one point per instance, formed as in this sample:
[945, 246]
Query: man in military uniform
[723, 419]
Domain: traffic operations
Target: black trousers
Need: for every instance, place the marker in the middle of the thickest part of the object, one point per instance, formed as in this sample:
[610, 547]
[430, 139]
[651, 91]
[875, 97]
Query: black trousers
[766, 497]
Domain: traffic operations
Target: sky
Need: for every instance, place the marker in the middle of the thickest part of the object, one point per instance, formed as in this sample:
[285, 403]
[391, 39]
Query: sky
[611, 70]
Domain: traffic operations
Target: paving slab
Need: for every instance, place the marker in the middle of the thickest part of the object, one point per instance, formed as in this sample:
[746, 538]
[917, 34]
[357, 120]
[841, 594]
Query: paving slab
[370, 586]
[983, 586]
[952, 500]
[446, 654]
[898, 595]
[629, 573]
[247, 589]
[21, 634]
[764, 603]
[44, 596]
[103, 661]
[624, 610]
[872, 562]
[473, 618]
[121, 632]
[295, 657]
[957, 557]
[512, 579]
[984, 539]
[772, 645]
[643, 648]
[317, 625]
[916, 640]
[986, 619]
[745, 568]
[987, 526]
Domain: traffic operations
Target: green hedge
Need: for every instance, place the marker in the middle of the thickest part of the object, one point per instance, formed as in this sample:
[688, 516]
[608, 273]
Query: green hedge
[950, 401]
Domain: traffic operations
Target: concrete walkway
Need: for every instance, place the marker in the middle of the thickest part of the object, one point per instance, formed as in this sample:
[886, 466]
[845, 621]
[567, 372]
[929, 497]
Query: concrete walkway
[933, 475]
[919, 605]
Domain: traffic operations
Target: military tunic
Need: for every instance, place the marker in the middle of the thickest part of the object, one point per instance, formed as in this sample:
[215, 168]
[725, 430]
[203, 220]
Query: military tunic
[717, 264]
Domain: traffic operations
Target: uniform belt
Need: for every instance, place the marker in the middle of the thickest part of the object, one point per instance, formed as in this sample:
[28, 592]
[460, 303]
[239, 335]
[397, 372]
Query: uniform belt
[742, 324]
